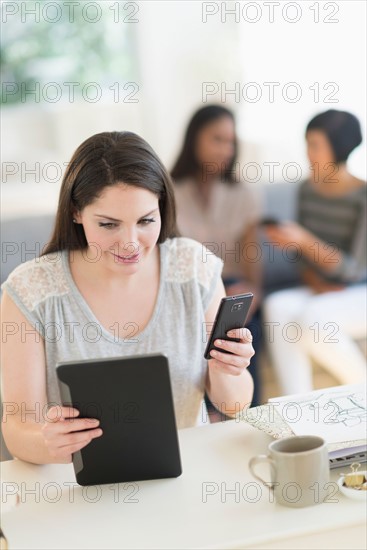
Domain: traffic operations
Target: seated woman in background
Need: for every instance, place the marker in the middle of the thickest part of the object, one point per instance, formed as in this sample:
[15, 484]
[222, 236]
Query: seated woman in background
[216, 209]
[322, 319]
[113, 264]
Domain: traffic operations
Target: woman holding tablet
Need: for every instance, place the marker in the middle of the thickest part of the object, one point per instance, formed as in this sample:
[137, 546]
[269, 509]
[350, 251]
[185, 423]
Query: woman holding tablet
[114, 280]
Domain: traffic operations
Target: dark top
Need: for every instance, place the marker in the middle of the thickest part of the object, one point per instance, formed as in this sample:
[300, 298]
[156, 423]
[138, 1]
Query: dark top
[339, 221]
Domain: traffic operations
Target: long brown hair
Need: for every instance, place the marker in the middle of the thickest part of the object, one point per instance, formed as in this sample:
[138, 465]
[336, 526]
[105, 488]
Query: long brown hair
[187, 164]
[103, 160]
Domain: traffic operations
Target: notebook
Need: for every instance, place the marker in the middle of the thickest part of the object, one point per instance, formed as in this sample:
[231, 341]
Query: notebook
[337, 414]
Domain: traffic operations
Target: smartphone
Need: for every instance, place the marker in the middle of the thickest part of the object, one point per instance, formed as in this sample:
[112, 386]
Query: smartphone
[232, 313]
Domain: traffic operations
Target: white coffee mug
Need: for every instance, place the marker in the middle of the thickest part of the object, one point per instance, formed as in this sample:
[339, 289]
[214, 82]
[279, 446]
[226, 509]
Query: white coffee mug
[299, 469]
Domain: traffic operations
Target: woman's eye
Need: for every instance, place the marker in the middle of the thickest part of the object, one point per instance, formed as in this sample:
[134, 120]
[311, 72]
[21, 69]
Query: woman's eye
[108, 225]
[111, 225]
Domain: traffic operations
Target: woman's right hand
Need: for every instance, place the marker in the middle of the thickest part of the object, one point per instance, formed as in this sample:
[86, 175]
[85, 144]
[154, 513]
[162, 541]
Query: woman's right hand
[65, 434]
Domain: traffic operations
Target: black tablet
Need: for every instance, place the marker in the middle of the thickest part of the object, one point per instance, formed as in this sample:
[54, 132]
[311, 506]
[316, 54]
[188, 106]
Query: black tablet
[132, 399]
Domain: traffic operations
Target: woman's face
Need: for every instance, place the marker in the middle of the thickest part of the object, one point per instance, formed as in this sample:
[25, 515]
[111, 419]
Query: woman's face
[122, 227]
[319, 151]
[215, 143]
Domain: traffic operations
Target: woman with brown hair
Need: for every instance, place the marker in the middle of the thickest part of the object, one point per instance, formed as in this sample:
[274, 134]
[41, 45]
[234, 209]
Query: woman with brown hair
[114, 280]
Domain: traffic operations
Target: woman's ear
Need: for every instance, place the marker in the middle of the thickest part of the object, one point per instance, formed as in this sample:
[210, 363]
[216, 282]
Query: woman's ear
[77, 217]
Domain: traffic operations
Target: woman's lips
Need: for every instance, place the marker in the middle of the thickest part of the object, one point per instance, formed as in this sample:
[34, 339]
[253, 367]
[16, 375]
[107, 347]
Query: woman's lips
[126, 259]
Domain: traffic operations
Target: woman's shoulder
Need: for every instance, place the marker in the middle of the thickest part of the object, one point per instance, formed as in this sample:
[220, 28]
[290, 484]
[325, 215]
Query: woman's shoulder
[361, 189]
[183, 249]
[184, 189]
[35, 280]
[356, 191]
[305, 185]
[188, 259]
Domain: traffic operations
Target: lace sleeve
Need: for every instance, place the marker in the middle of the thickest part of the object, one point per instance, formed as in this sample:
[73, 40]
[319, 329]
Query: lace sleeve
[189, 260]
[32, 283]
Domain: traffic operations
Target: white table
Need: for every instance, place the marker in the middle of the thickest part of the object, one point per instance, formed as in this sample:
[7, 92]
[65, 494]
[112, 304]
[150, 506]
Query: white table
[186, 512]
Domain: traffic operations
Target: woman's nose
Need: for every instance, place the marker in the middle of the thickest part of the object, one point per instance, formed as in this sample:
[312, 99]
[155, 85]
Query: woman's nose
[128, 242]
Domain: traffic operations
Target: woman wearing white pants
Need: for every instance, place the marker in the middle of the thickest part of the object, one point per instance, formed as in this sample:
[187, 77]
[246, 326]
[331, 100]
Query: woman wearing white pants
[323, 327]
[323, 319]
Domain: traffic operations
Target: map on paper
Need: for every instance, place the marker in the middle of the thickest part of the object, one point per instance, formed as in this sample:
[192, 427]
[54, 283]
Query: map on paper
[336, 414]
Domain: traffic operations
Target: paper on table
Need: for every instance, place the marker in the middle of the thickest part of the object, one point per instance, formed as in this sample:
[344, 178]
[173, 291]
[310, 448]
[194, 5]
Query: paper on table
[336, 414]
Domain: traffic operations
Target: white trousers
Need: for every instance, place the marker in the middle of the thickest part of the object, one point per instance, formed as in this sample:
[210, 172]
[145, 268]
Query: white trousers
[300, 325]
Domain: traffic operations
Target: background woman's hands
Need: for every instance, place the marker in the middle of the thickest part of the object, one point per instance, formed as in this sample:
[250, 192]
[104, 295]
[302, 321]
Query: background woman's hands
[291, 232]
[240, 354]
[288, 232]
[65, 434]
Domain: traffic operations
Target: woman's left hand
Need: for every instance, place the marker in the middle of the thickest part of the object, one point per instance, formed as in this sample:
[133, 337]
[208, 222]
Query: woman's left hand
[238, 359]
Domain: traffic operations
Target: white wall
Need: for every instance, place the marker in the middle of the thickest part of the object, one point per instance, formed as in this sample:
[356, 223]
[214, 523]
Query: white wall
[177, 53]
[304, 52]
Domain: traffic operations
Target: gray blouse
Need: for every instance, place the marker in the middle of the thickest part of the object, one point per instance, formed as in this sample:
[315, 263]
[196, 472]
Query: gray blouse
[46, 294]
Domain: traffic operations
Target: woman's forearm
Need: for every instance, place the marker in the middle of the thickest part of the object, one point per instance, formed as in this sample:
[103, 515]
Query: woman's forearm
[325, 256]
[230, 394]
[24, 440]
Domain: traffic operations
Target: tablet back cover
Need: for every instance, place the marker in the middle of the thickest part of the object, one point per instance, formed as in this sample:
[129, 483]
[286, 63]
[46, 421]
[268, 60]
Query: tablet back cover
[132, 399]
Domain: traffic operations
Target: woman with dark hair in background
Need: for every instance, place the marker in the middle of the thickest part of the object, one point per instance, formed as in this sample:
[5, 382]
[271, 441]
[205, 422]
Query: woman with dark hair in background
[328, 314]
[114, 280]
[215, 208]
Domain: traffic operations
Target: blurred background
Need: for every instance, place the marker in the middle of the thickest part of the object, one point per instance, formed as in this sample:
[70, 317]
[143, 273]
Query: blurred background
[72, 69]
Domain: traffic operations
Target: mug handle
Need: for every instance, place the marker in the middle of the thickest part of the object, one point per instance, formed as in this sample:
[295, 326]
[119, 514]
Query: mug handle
[257, 460]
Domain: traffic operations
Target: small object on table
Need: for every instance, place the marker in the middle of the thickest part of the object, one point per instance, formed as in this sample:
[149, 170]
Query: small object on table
[354, 483]
[354, 479]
